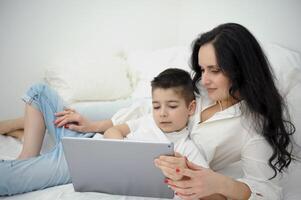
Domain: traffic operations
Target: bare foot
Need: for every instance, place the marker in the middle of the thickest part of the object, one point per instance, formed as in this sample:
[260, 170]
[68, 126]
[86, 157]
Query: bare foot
[16, 134]
[11, 125]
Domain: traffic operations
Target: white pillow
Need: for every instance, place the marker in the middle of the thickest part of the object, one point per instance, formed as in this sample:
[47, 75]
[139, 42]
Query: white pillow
[107, 79]
[145, 65]
[151, 63]
[286, 64]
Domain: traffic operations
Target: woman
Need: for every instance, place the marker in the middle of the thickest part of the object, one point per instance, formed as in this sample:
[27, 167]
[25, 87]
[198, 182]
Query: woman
[242, 117]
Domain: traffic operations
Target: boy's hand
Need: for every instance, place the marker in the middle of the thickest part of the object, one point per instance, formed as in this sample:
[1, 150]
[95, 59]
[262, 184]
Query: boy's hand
[72, 120]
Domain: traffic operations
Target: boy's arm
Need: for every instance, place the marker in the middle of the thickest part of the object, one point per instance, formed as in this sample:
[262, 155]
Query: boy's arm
[100, 126]
[117, 132]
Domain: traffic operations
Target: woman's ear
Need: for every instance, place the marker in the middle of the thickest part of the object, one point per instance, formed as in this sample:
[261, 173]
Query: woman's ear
[192, 107]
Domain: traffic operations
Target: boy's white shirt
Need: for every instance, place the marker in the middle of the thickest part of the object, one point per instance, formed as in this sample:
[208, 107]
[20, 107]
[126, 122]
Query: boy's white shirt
[145, 129]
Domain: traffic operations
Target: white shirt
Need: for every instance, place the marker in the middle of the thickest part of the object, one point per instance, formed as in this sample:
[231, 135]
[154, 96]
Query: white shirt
[234, 148]
[145, 128]
[230, 143]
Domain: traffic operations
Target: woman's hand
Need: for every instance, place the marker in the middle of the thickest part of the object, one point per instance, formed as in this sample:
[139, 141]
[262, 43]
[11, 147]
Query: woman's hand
[72, 120]
[171, 165]
[198, 182]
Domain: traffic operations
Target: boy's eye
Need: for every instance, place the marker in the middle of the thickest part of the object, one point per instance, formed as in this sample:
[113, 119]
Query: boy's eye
[173, 107]
[156, 107]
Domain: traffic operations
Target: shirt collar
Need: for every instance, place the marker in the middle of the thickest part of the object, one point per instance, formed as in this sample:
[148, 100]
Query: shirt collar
[204, 102]
[230, 112]
[175, 136]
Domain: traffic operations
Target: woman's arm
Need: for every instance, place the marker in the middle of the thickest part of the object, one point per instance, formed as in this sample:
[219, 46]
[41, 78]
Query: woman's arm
[201, 182]
[257, 172]
[207, 184]
[117, 132]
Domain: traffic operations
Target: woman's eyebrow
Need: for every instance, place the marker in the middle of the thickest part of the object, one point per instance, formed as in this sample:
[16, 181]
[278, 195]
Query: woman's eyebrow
[210, 66]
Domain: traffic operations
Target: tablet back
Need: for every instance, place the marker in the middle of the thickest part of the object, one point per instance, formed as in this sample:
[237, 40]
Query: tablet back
[117, 166]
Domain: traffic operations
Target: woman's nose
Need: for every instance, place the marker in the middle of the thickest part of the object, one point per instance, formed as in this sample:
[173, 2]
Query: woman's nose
[205, 79]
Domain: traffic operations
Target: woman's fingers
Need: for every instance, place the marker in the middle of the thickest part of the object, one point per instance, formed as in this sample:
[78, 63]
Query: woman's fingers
[182, 191]
[181, 184]
[178, 155]
[187, 197]
[168, 170]
[165, 166]
[177, 160]
[189, 173]
[165, 163]
[186, 192]
[169, 159]
[191, 165]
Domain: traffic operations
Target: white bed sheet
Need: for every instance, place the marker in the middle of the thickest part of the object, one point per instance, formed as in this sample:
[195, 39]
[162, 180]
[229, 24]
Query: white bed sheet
[66, 192]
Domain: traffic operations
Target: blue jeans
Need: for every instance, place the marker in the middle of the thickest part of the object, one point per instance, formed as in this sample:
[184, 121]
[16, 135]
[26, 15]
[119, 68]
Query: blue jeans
[46, 170]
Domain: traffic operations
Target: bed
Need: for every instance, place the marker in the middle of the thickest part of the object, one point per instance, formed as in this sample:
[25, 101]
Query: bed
[133, 85]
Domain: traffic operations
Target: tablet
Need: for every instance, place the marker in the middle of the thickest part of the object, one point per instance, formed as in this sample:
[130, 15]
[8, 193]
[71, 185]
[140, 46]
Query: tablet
[120, 167]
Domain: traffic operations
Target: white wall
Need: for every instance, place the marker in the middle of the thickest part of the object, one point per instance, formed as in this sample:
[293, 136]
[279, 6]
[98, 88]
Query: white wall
[37, 33]
[275, 21]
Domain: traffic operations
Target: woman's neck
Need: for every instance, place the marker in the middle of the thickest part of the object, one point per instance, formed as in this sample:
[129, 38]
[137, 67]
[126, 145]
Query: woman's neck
[224, 104]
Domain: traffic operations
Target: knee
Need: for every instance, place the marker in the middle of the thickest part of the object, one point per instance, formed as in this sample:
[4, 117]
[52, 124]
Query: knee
[38, 88]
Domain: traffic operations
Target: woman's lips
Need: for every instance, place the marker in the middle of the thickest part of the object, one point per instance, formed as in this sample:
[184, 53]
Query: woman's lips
[211, 90]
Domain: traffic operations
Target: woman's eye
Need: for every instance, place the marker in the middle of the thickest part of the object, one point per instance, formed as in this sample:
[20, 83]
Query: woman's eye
[215, 71]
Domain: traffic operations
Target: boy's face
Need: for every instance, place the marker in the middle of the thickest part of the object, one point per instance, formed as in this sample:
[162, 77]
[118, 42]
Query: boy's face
[170, 111]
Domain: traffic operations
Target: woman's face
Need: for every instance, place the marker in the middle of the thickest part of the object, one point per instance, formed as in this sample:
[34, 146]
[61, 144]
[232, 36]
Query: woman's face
[213, 79]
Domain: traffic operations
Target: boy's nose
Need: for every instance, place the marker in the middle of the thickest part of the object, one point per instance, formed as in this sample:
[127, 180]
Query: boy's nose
[163, 113]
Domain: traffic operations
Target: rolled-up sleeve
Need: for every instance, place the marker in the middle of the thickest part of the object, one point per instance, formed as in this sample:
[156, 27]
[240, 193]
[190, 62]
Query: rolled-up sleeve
[257, 172]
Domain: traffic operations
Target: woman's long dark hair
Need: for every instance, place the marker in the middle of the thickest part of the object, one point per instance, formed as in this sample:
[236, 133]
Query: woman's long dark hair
[241, 58]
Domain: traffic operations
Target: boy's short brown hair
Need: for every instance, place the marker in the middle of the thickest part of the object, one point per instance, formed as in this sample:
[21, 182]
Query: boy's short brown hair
[177, 79]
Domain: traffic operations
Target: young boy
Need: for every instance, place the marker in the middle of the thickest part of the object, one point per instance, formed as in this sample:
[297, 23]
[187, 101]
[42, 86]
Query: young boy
[173, 103]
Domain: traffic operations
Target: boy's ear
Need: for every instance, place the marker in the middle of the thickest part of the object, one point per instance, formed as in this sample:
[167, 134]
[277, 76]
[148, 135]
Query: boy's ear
[192, 107]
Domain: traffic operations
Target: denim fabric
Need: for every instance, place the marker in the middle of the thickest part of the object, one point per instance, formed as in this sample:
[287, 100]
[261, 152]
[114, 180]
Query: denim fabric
[46, 170]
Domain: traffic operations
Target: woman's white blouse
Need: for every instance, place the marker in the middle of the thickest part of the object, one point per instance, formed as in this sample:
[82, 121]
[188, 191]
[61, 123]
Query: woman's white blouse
[230, 144]
[234, 148]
